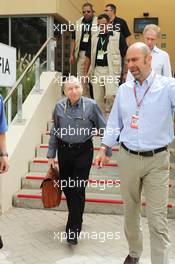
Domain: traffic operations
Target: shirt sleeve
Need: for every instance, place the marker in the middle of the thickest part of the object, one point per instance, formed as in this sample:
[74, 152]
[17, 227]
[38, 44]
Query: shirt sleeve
[114, 124]
[100, 124]
[167, 66]
[122, 45]
[171, 86]
[53, 142]
[3, 122]
[125, 29]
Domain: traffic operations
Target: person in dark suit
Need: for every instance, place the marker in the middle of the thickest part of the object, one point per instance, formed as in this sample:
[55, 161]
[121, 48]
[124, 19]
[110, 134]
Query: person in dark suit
[76, 118]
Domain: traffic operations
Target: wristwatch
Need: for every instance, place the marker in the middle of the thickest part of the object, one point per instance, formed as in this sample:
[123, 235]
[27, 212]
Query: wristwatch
[4, 154]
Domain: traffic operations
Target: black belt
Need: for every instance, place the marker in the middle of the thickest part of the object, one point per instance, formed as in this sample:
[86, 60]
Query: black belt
[74, 145]
[149, 153]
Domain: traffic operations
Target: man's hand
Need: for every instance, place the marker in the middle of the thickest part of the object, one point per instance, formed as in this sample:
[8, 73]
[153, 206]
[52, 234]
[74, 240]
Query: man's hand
[71, 59]
[101, 158]
[51, 162]
[86, 78]
[4, 164]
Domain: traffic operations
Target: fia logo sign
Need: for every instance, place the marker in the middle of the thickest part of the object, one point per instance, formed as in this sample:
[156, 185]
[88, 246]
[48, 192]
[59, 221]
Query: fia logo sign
[4, 65]
[7, 65]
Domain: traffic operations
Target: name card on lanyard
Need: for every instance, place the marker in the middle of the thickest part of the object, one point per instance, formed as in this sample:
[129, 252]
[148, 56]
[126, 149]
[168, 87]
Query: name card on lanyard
[135, 117]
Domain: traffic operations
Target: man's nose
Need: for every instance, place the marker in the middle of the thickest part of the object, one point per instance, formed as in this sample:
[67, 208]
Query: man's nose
[74, 90]
[130, 63]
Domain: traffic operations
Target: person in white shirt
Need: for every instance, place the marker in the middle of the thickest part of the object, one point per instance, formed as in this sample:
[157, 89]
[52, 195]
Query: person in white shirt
[141, 117]
[160, 58]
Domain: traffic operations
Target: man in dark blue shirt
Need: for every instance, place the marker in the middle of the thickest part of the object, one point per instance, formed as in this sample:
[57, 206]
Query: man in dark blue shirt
[76, 120]
[3, 150]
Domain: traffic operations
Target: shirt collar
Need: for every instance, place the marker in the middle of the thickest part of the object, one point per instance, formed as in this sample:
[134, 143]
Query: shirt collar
[87, 21]
[78, 104]
[108, 33]
[155, 49]
[114, 20]
[148, 80]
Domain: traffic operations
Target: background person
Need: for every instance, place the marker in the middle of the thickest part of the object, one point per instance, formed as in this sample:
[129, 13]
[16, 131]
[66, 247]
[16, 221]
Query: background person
[103, 57]
[4, 164]
[74, 149]
[119, 24]
[160, 58]
[81, 37]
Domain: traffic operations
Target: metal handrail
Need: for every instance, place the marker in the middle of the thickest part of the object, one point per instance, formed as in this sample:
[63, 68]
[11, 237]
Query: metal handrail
[27, 69]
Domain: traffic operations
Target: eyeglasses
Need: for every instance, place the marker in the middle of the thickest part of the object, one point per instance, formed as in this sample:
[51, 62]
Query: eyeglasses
[87, 11]
[106, 10]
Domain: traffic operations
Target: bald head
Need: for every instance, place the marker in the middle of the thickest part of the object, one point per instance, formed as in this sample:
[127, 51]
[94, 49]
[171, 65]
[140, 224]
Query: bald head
[138, 59]
[140, 46]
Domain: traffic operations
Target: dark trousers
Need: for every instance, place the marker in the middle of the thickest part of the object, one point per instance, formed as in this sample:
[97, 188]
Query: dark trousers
[74, 165]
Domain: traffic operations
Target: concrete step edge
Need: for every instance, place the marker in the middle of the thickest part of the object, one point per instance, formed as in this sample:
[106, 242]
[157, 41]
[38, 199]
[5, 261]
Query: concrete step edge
[45, 146]
[41, 160]
[37, 195]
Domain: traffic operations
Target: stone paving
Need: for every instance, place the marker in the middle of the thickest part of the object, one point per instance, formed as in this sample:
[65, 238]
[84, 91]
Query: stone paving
[32, 237]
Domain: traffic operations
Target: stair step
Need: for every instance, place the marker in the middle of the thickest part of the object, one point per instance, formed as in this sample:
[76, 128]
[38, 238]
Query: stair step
[41, 151]
[97, 186]
[96, 176]
[41, 164]
[105, 171]
[95, 202]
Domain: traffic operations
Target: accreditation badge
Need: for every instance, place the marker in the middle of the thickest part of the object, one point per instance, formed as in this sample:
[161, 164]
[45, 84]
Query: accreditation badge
[134, 121]
[100, 55]
[86, 38]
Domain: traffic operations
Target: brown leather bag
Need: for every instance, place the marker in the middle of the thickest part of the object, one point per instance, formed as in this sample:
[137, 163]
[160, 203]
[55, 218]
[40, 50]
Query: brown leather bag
[51, 191]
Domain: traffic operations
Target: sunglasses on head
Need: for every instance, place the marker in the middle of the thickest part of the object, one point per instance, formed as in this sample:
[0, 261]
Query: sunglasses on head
[88, 11]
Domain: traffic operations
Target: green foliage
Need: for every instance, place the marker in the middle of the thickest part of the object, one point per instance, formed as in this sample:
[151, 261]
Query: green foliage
[3, 91]
[29, 79]
[27, 83]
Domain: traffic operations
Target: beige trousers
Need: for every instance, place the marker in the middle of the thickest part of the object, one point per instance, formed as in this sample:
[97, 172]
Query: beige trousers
[152, 175]
[104, 88]
[80, 72]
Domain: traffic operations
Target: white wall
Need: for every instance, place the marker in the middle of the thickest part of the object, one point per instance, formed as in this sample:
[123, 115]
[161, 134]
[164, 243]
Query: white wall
[23, 138]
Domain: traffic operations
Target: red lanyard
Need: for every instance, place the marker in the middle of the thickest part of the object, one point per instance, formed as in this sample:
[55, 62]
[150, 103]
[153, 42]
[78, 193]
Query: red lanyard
[139, 103]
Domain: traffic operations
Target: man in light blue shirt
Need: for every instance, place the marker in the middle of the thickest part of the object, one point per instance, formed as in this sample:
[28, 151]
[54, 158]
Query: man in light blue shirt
[142, 116]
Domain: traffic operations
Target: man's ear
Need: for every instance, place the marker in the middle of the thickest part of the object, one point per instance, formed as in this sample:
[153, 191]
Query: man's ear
[65, 92]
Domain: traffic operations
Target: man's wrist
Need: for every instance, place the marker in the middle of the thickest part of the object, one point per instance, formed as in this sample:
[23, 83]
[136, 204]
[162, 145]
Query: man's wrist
[103, 147]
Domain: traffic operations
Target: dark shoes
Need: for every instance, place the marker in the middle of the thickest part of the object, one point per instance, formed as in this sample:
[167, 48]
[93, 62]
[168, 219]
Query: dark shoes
[131, 260]
[72, 237]
[1, 243]
[72, 241]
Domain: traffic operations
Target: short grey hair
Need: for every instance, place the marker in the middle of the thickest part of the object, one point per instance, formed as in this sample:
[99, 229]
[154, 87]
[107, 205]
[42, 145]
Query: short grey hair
[153, 27]
[72, 79]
